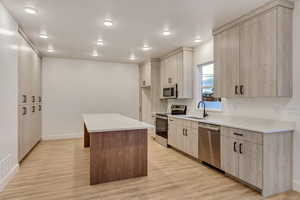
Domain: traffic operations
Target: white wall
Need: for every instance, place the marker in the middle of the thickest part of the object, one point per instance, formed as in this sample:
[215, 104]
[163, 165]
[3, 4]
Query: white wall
[269, 108]
[72, 87]
[8, 97]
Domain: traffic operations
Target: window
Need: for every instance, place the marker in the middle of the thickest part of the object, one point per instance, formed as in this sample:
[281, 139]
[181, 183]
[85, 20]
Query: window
[207, 86]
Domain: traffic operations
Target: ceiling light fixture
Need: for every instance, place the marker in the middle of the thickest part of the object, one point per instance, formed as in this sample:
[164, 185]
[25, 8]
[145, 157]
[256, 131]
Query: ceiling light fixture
[44, 36]
[166, 33]
[31, 10]
[100, 42]
[197, 40]
[50, 50]
[146, 47]
[108, 22]
[95, 53]
[132, 57]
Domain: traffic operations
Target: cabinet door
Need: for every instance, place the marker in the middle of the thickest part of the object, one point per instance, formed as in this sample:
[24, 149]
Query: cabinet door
[250, 163]
[24, 72]
[172, 132]
[258, 55]
[172, 69]
[36, 78]
[24, 130]
[180, 138]
[142, 75]
[191, 142]
[226, 62]
[229, 155]
[148, 73]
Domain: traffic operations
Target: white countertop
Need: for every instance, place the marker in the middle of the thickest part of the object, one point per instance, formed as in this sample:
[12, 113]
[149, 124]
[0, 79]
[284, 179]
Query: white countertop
[246, 123]
[112, 122]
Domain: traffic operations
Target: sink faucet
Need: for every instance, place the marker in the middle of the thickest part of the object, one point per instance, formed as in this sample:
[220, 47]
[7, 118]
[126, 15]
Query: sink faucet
[204, 110]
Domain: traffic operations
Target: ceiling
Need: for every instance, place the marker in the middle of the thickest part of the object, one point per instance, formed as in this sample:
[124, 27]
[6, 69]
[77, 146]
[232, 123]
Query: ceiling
[74, 26]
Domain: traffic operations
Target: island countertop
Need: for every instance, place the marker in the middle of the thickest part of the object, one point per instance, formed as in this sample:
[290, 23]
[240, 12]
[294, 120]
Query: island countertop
[112, 122]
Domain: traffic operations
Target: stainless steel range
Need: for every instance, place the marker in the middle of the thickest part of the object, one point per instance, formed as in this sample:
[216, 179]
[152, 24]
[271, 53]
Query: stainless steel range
[161, 123]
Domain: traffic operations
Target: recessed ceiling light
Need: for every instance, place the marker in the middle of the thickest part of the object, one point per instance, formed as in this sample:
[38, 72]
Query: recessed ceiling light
[44, 36]
[197, 40]
[30, 10]
[100, 42]
[50, 50]
[108, 22]
[146, 47]
[95, 53]
[132, 57]
[166, 33]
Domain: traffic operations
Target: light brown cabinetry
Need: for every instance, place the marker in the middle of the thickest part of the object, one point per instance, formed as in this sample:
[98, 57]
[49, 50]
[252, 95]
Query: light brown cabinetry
[150, 85]
[30, 99]
[177, 69]
[183, 135]
[259, 159]
[253, 55]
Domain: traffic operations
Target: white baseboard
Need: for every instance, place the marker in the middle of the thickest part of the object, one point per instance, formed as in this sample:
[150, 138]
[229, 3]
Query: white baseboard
[8, 177]
[296, 185]
[62, 136]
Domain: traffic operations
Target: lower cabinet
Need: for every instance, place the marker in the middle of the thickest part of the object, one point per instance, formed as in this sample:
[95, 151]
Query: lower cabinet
[29, 128]
[183, 135]
[258, 159]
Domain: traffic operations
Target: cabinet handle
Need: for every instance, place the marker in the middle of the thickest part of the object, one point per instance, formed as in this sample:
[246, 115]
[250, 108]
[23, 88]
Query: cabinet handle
[40, 99]
[24, 98]
[33, 99]
[169, 80]
[236, 90]
[238, 134]
[241, 89]
[241, 146]
[33, 109]
[144, 83]
[234, 146]
[40, 108]
[24, 110]
[186, 132]
[183, 132]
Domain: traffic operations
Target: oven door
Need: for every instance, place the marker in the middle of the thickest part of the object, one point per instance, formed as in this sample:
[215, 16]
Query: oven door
[161, 125]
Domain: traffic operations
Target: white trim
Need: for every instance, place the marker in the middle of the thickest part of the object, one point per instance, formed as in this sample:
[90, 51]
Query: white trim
[296, 185]
[62, 136]
[8, 177]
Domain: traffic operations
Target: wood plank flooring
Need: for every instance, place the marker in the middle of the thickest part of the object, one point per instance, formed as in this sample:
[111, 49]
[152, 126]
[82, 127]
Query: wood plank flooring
[60, 170]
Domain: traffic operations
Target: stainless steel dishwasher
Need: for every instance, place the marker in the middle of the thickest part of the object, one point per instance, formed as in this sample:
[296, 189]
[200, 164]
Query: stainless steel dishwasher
[209, 144]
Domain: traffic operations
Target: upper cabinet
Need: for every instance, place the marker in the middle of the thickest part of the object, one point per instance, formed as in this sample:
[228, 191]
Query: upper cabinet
[176, 69]
[253, 55]
[145, 74]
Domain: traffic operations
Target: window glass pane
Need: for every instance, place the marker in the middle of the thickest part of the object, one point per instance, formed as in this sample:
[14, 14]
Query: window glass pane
[212, 105]
[207, 81]
[208, 69]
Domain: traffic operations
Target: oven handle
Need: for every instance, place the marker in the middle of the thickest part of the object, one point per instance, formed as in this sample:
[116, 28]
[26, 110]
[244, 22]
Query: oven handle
[160, 117]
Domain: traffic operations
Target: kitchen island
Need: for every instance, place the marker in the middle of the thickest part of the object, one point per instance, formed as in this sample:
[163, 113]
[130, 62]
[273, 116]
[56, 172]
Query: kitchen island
[118, 147]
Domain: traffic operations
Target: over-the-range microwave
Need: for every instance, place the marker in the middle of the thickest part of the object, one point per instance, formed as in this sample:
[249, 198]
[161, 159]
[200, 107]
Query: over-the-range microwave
[170, 92]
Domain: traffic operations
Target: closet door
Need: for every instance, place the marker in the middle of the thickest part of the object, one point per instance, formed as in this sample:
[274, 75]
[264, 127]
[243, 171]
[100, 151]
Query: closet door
[36, 78]
[24, 71]
[258, 56]
[24, 130]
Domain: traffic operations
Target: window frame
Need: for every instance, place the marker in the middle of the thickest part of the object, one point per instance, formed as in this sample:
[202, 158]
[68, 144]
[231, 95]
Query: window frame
[199, 86]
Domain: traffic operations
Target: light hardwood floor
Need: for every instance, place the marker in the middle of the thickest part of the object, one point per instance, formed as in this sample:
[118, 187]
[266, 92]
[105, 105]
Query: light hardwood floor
[60, 170]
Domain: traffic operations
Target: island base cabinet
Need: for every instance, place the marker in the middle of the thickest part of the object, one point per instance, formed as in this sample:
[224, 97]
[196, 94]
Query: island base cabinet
[118, 155]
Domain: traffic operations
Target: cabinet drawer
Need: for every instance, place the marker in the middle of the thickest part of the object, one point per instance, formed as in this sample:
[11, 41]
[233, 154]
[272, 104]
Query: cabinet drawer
[190, 124]
[240, 134]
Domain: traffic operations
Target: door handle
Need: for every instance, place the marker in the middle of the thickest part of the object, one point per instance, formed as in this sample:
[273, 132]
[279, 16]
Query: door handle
[236, 90]
[40, 107]
[33, 99]
[242, 89]
[24, 98]
[33, 109]
[234, 146]
[241, 146]
[24, 110]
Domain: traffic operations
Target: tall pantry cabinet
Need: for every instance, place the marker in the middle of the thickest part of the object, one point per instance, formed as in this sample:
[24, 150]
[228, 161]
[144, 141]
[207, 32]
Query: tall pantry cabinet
[29, 98]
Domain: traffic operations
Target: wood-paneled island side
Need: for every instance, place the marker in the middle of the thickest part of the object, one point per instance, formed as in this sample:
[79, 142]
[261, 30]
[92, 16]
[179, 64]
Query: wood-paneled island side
[118, 147]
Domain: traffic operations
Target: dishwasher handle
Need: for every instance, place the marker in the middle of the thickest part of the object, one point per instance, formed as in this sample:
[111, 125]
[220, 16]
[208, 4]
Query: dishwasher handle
[209, 127]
